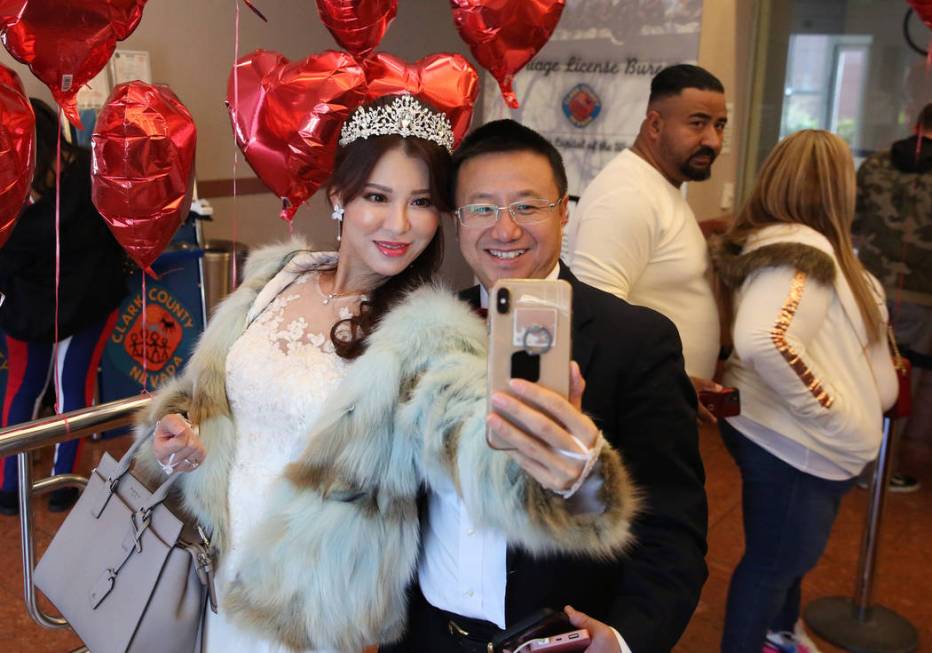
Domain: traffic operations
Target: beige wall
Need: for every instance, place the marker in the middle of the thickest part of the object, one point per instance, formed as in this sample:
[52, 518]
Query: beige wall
[724, 49]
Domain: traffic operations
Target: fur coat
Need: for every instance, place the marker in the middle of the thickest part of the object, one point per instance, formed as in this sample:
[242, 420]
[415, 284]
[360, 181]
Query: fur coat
[330, 564]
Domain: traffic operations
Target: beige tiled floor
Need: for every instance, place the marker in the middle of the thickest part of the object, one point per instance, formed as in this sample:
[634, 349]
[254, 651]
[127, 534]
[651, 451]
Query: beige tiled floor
[904, 569]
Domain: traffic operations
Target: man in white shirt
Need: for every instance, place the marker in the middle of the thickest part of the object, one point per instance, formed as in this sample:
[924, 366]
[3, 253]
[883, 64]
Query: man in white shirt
[634, 235]
[510, 187]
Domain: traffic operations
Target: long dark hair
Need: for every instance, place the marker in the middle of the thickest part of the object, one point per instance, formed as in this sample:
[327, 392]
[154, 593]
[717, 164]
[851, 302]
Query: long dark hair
[43, 182]
[354, 165]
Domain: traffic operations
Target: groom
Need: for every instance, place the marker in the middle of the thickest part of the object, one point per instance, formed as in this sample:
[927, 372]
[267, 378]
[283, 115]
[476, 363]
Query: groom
[510, 189]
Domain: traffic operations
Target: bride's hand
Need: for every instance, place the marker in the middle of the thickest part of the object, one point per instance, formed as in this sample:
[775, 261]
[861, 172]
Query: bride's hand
[176, 444]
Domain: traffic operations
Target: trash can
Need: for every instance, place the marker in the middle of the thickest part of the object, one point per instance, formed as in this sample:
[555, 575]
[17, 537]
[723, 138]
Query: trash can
[219, 280]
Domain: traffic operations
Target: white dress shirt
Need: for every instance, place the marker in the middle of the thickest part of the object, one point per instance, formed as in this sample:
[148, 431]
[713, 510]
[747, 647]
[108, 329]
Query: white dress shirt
[463, 568]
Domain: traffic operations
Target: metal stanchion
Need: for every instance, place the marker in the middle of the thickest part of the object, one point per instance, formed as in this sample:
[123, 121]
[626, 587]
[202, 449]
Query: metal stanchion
[854, 624]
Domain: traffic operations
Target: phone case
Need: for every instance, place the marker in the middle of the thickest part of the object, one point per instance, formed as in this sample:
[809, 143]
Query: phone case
[578, 640]
[722, 404]
[529, 334]
[542, 623]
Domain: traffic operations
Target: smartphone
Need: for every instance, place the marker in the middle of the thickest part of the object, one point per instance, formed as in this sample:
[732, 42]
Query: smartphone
[577, 640]
[541, 624]
[726, 403]
[529, 336]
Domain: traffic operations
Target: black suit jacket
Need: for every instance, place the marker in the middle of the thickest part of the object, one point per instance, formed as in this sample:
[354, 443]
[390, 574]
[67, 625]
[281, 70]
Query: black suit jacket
[638, 393]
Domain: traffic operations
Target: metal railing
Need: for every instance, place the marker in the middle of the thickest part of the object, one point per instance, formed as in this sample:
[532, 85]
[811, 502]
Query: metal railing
[21, 440]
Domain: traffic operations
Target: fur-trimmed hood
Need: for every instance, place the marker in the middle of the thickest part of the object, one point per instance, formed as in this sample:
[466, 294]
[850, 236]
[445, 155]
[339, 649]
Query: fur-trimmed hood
[330, 565]
[797, 246]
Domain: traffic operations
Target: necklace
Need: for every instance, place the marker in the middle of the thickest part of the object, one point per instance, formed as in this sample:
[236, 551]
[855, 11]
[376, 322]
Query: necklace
[327, 297]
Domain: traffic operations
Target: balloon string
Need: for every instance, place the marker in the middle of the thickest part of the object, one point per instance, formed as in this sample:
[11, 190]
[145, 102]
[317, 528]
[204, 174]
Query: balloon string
[255, 10]
[145, 336]
[59, 403]
[235, 117]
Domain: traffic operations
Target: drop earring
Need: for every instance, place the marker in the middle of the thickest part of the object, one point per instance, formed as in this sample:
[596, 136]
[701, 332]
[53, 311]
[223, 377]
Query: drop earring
[337, 215]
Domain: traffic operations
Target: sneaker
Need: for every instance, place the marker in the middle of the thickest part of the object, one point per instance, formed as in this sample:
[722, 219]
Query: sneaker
[898, 483]
[902, 483]
[804, 643]
[9, 502]
[786, 642]
[62, 499]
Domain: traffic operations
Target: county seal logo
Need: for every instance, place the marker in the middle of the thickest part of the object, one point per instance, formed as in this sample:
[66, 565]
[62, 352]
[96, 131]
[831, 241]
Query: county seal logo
[581, 105]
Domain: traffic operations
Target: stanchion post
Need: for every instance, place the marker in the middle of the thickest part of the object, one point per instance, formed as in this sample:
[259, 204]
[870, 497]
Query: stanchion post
[855, 624]
[25, 519]
[878, 495]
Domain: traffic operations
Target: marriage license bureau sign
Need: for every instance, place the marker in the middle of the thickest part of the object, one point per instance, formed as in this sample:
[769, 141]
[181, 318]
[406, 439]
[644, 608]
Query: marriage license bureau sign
[586, 90]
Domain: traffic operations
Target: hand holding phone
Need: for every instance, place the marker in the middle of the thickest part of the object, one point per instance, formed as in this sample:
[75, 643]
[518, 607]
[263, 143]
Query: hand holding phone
[723, 403]
[535, 393]
[577, 640]
[541, 631]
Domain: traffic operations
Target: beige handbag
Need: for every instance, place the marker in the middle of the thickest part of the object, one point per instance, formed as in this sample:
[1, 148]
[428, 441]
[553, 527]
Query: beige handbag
[126, 573]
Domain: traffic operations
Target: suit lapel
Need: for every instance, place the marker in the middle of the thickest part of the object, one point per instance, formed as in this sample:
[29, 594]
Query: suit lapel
[583, 344]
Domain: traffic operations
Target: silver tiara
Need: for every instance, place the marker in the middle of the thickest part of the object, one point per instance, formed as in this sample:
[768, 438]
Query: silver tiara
[405, 116]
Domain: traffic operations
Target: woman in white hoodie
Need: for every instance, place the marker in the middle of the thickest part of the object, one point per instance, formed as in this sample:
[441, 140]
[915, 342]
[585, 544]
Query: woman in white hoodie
[810, 358]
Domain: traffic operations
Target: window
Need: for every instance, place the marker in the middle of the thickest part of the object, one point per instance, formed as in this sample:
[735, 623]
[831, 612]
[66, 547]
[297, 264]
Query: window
[825, 80]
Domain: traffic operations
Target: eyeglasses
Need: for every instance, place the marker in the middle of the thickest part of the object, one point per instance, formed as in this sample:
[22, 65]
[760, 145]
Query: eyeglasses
[522, 212]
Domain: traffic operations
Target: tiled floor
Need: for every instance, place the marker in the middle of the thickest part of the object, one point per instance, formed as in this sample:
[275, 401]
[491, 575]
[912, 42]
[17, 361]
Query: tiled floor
[903, 579]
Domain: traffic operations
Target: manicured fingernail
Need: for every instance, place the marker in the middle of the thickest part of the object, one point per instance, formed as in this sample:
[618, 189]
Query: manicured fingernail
[518, 385]
[499, 400]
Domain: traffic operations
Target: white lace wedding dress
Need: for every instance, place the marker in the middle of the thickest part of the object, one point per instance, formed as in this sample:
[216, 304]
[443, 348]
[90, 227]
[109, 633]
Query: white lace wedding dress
[278, 375]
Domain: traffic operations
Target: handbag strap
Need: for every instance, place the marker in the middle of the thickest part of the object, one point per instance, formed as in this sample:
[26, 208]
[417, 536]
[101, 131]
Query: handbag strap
[126, 461]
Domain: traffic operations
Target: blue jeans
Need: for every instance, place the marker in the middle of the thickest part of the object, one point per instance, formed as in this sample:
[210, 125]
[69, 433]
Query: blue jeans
[788, 516]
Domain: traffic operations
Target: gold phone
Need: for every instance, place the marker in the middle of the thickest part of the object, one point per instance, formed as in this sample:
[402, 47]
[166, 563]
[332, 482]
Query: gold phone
[529, 336]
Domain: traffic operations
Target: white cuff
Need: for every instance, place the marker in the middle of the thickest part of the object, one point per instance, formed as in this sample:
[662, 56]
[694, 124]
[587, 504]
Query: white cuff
[621, 642]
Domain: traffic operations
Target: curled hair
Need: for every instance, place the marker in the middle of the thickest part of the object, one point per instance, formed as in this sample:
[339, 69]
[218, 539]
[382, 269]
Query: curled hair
[354, 165]
[807, 179]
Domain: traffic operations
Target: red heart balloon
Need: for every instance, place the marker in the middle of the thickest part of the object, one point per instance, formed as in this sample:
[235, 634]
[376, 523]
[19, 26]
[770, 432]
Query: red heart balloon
[357, 25]
[288, 117]
[504, 35]
[17, 149]
[923, 9]
[66, 42]
[11, 79]
[448, 82]
[143, 167]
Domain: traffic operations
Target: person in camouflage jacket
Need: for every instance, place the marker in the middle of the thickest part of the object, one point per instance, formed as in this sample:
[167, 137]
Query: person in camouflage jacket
[893, 234]
[893, 222]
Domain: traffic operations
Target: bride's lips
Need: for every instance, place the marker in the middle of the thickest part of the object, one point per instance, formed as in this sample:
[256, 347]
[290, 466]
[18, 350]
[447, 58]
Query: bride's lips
[393, 249]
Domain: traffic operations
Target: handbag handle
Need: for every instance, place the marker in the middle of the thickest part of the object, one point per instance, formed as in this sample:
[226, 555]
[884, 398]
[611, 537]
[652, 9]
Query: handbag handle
[123, 466]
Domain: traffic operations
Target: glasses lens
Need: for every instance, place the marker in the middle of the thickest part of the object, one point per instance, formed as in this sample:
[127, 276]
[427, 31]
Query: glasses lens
[477, 213]
[530, 210]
